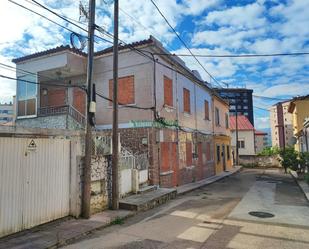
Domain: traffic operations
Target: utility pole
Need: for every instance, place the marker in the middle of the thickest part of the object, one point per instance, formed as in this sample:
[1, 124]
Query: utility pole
[237, 151]
[115, 186]
[90, 114]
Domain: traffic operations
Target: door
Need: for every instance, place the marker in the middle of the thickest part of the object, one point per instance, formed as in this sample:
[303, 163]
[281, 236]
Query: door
[223, 157]
[34, 182]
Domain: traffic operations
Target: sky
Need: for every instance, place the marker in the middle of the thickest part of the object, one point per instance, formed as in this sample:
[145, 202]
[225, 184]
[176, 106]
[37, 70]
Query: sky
[207, 26]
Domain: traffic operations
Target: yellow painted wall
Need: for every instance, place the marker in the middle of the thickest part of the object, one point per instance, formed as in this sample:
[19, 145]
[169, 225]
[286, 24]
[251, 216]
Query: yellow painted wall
[223, 141]
[301, 112]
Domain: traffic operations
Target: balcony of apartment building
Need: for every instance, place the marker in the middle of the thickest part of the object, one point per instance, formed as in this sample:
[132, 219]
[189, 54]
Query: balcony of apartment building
[50, 90]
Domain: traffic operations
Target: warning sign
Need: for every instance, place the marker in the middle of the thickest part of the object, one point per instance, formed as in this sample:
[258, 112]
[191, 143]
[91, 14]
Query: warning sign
[32, 145]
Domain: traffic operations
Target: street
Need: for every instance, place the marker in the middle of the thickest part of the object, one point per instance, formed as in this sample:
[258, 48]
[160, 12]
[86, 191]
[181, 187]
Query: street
[217, 216]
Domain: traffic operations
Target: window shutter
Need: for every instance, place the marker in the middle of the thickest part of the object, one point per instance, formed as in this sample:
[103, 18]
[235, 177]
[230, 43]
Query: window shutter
[168, 91]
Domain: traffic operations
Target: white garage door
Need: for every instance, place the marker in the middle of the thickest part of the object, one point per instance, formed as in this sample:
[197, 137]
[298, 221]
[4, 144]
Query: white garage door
[34, 182]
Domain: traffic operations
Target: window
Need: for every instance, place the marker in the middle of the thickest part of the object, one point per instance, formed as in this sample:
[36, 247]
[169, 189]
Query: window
[228, 152]
[26, 96]
[168, 91]
[189, 153]
[206, 110]
[241, 144]
[126, 94]
[245, 107]
[246, 113]
[218, 153]
[217, 113]
[227, 120]
[208, 152]
[232, 107]
[186, 100]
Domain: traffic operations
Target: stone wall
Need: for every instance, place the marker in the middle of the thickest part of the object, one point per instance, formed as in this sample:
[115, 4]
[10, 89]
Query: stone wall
[260, 161]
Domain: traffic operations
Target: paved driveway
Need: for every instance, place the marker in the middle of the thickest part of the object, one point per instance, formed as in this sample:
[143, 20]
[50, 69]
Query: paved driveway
[217, 216]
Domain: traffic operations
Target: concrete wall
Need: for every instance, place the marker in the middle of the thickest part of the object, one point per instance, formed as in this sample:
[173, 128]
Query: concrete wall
[248, 137]
[260, 161]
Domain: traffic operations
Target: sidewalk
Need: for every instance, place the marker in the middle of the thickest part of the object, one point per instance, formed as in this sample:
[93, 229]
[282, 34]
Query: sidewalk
[302, 184]
[60, 232]
[63, 231]
[195, 185]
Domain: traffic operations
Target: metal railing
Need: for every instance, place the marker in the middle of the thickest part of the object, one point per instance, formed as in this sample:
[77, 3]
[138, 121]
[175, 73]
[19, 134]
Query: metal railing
[63, 109]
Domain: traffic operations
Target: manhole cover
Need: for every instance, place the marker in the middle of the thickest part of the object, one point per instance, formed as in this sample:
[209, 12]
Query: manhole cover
[261, 214]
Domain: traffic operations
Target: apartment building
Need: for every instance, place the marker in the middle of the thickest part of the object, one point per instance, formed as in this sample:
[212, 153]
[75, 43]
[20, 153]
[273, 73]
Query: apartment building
[299, 109]
[281, 125]
[261, 140]
[164, 120]
[6, 113]
[240, 100]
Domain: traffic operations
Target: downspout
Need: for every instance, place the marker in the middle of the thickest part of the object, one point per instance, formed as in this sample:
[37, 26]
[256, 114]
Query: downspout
[177, 127]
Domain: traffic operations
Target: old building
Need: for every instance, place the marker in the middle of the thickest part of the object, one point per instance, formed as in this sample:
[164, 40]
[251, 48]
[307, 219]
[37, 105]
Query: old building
[240, 100]
[165, 109]
[6, 113]
[246, 130]
[281, 125]
[299, 108]
[222, 135]
[261, 140]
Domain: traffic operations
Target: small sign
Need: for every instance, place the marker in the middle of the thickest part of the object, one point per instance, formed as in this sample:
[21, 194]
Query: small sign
[32, 145]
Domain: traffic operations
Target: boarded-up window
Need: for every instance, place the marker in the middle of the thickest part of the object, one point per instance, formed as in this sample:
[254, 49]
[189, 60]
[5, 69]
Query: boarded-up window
[79, 100]
[206, 110]
[126, 93]
[168, 91]
[186, 100]
[208, 152]
[165, 159]
[189, 153]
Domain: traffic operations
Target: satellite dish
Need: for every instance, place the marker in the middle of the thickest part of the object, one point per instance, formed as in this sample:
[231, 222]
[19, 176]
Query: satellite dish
[78, 41]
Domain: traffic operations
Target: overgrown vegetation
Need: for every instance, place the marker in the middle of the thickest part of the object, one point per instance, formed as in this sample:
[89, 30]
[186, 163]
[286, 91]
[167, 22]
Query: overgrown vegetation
[306, 177]
[269, 151]
[117, 221]
[289, 158]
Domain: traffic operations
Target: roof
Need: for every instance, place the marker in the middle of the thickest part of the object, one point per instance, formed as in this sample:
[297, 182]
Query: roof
[48, 52]
[243, 123]
[292, 104]
[76, 51]
[260, 133]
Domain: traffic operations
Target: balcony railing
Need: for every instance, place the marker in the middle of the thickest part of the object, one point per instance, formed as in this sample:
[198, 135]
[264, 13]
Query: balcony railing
[60, 110]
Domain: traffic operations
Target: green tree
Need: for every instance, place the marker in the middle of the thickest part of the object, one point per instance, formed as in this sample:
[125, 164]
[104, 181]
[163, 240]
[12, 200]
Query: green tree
[289, 158]
[304, 161]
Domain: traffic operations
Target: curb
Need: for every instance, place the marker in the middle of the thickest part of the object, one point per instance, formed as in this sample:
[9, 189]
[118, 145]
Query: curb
[216, 178]
[301, 184]
[69, 241]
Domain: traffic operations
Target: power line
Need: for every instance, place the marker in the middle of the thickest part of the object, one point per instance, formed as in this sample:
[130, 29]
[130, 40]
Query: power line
[260, 108]
[235, 55]
[58, 24]
[182, 41]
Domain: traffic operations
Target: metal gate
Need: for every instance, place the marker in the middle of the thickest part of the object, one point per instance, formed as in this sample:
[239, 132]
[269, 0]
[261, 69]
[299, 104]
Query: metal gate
[34, 182]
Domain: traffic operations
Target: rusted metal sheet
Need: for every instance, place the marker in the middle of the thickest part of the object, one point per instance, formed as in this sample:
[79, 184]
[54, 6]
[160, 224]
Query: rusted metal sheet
[34, 182]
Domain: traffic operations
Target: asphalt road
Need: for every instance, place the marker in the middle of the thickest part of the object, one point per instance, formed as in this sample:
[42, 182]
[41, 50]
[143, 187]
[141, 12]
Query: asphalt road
[217, 216]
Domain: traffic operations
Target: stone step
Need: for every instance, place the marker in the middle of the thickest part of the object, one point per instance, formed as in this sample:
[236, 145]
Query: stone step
[148, 200]
[146, 189]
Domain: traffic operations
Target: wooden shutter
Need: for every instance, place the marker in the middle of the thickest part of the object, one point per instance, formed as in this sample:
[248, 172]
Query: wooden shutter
[168, 91]
[186, 100]
[206, 110]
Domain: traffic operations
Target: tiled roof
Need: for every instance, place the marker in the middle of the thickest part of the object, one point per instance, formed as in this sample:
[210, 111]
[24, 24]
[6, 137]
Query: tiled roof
[243, 123]
[76, 51]
[121, 47]
[260, 133]
[47, 52]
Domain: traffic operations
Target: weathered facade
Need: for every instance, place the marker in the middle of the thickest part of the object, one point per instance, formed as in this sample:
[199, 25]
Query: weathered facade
[162, 106]
[222, 135]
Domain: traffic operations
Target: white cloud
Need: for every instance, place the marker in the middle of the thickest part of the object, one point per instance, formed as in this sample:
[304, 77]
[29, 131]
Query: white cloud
[244, 17]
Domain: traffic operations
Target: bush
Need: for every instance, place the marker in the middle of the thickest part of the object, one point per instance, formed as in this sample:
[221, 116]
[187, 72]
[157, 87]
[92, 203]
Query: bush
[269, 151]
[289, 158]
[304, 161]
[306, 177]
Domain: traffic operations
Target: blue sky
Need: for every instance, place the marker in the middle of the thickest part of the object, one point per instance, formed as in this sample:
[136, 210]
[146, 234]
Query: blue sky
[207, 26]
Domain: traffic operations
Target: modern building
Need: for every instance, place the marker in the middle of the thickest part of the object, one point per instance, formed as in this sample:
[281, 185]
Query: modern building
[299, 109]
[222, 134]
[281, 125]
[240, 100]
[165, 116]
[246, 144]
[6, 113]
[261, 141]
